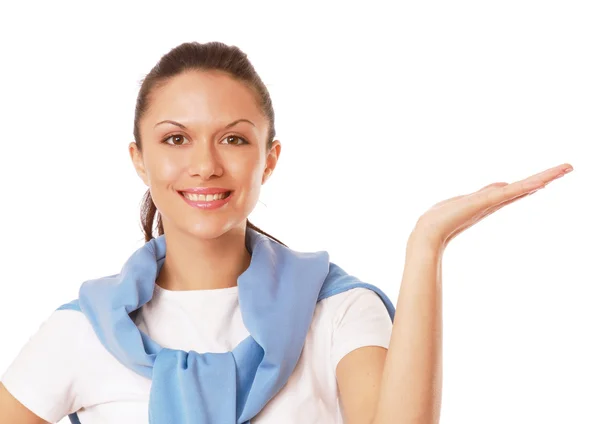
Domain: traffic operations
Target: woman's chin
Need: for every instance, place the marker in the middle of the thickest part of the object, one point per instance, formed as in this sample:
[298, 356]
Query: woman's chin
[210, 230]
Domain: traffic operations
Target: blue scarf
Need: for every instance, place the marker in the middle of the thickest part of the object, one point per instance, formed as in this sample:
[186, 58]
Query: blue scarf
[277, 294]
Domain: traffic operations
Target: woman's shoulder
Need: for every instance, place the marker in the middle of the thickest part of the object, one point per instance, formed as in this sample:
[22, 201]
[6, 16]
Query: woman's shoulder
[43, 376]
[56, 343]
[353, 303]
[349, 297]
[350, 320]
[57, 338]
[64, 324]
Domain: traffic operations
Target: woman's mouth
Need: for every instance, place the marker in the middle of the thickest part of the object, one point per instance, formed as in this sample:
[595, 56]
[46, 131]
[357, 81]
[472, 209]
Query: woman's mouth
[206, 200]
[194, 197]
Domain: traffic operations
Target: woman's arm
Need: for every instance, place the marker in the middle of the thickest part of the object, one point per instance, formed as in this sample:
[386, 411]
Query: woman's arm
[411, 383]
[411, 387]
[13, 412]
[403, 386]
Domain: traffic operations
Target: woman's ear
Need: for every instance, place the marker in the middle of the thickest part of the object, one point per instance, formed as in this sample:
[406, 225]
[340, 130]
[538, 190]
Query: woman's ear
[266, 175]
[138, 163]
[272, 158]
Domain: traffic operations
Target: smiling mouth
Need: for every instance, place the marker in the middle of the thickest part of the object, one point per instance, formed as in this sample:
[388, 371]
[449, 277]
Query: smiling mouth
[205, 197]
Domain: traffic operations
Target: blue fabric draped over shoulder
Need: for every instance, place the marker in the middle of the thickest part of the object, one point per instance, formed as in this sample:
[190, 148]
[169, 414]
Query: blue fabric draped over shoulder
[278, 294]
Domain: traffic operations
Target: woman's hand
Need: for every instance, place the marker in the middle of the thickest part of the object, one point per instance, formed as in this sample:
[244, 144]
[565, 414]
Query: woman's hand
[446, 219]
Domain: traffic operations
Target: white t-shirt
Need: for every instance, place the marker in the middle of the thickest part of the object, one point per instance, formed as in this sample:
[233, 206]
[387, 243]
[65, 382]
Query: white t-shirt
[64, 368]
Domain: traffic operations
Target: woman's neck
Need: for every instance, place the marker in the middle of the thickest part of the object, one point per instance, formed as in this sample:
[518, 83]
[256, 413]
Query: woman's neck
[193, 264]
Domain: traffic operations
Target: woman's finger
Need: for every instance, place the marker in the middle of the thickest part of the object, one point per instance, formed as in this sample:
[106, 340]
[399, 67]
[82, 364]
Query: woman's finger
[443, 202]
[492, 198]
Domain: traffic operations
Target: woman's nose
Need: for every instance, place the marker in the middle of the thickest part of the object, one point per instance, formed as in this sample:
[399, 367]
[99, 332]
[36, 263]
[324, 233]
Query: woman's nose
[205, 161]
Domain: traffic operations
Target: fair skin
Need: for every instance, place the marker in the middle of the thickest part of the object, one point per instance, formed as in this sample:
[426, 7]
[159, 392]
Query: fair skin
[14, 412]
[404, 385]
[206, 249]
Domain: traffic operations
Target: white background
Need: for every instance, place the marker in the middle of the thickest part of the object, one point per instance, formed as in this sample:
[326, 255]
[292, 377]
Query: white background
[383, 109]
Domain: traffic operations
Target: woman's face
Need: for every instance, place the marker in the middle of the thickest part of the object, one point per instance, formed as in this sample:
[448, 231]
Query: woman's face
[204, 154]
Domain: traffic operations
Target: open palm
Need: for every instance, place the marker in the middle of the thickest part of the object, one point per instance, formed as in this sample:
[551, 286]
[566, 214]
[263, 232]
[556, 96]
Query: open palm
[448, 218]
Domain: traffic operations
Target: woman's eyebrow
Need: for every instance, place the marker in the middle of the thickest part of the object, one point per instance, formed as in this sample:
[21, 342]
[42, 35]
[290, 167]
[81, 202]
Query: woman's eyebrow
[168, 121]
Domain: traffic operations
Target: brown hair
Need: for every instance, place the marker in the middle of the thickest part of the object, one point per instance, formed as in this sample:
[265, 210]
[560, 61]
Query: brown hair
[204, 57]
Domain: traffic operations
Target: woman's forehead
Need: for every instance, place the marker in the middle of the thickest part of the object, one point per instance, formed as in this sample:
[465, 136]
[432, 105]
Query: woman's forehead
[205, 90]
[204, 102]
[213, 95]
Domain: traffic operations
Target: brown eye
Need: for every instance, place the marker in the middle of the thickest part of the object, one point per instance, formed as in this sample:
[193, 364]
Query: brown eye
[234, 140]
[177, 140]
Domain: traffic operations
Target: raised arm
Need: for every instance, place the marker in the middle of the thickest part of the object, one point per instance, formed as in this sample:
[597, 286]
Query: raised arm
[410, 378]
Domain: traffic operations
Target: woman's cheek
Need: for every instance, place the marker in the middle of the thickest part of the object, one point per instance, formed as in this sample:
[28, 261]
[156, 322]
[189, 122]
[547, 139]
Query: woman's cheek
[166, 169]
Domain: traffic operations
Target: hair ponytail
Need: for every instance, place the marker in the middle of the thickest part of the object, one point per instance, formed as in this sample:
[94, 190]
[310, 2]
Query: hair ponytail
[148, 213]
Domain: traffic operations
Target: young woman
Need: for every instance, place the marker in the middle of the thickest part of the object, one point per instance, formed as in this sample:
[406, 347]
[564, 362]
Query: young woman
[215, 321]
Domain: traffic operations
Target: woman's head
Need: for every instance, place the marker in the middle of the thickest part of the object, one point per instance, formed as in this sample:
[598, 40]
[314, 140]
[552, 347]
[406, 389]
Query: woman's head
[203, 119]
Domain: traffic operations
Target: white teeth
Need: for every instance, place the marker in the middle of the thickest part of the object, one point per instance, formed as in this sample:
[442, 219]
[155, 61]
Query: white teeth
[204, 197]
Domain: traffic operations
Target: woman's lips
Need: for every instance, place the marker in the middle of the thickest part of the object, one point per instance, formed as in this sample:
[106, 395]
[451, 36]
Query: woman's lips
[206, 198]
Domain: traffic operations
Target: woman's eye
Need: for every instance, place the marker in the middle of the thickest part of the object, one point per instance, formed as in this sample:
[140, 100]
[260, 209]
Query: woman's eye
[235, 140]
[177, 140]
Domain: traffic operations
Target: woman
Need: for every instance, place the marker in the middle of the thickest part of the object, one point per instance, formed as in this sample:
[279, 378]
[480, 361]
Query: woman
[287, 337]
